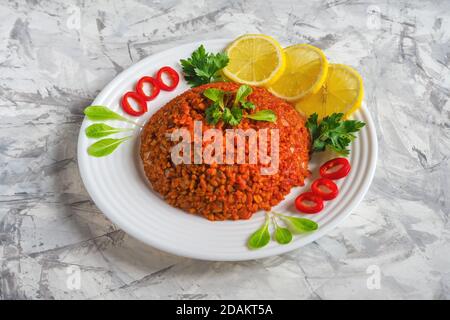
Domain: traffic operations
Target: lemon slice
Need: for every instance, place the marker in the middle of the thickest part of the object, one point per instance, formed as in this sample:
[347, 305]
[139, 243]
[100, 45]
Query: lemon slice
[306, 71]
[342, 91]
[255, 59]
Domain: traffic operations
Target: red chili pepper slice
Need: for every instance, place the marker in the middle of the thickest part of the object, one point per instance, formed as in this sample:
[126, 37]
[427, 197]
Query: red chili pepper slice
[154, 84]
[139, 100]
[331, 189]
[309, 202]
[335, 169]
[173, 75]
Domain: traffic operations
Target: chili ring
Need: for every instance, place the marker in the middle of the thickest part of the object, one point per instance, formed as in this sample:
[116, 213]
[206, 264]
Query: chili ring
[320, 184]
[302, 203]
[173, 75]
[139, 100]
[335, 169]
[155, 88]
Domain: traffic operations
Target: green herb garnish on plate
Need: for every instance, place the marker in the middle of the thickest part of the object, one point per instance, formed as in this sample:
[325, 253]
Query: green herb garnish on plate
[332, 133]
[107, 146]
[102, 113]
[282, 235]
[298, 225]
[261, 237]
[203, 67]
[100, 130]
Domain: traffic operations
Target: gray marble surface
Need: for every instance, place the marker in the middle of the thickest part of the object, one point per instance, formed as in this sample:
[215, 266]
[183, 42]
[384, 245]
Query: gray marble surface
[55, 56]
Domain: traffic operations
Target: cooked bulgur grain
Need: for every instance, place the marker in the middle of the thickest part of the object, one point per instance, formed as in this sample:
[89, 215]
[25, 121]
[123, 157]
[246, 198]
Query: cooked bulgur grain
[220, 191]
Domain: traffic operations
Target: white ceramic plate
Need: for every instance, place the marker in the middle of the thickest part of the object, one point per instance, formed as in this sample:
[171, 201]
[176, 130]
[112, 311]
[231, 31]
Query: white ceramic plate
[119, 188]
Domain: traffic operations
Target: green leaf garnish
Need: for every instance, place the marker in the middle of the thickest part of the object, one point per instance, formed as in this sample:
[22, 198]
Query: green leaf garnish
[232, 115]
[313, 126]
[100, 130]
[213, 113]
[282, 235]
[203, 67]
[298, 225]
[248, 105]
[260, 237]
[213, 94]
[102, 113]
[332, 132]
[263, 115]
[241, 95]
[105, 147]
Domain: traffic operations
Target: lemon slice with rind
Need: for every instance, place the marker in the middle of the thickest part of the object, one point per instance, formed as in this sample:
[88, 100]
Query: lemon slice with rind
[255, 59]
[342, 92]
[306, 71]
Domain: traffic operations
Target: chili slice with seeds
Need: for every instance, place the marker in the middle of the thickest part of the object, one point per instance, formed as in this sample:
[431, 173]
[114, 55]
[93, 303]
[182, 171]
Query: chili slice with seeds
[173, 75]
[139, 100]
[303, 203]
[154, 91]
[325, 188]
[335, 169]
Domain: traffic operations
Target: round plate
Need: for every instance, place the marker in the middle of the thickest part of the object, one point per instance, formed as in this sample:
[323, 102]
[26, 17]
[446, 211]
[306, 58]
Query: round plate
[119, 188]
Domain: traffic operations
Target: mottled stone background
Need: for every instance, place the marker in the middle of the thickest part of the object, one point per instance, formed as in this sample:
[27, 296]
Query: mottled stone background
[55, 56]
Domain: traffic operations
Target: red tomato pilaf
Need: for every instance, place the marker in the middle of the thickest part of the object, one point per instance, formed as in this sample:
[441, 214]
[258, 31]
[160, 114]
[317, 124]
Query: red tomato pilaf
[221, 191]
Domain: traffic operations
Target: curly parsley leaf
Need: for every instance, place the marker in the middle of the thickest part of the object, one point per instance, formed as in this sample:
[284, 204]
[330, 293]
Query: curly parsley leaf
[313, 126]
[213, 113]
[232, 116]
[332, 132]
[203, 67]
[231, 111]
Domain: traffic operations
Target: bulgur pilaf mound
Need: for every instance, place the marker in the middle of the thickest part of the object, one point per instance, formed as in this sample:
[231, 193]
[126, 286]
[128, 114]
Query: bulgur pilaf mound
[221, 191]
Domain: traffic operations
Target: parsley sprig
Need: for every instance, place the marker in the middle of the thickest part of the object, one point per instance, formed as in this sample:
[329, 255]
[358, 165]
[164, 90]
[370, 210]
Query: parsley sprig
[332, 132]
[229, 107]
[203, 67]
